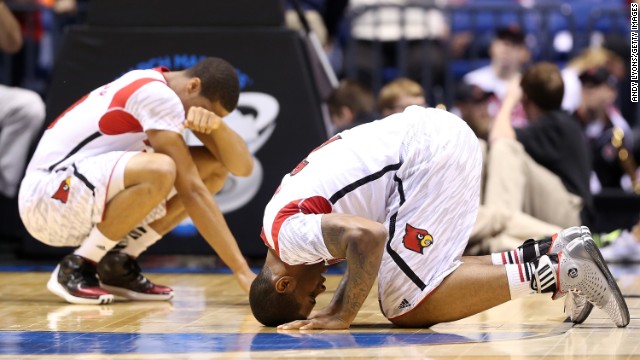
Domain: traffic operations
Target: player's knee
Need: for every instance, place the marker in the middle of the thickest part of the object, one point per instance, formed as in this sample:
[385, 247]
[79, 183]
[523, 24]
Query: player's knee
[162, 171]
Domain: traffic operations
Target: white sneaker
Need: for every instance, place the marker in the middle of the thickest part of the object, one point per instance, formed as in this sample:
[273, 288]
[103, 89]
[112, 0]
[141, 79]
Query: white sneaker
[564, 237]
[576, 306]
[624, 249]
[581, 269]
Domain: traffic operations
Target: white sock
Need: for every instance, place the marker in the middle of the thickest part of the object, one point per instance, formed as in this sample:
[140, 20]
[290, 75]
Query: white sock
[95, 246]
[507, 257]
[519, 276]
[139, 239]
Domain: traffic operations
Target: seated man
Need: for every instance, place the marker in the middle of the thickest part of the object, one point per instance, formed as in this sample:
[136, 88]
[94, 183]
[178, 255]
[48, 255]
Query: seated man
[542, 169]
[115, 164]
[397, 198]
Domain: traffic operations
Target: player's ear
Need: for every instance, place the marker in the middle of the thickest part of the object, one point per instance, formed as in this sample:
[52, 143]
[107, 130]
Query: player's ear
[285, 284]
[194, 85]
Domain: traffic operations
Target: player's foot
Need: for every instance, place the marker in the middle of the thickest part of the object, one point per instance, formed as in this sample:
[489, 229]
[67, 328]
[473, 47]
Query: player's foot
[121, 275]
[576, 306]
[74, 279]
[560, 240]
[581, 269]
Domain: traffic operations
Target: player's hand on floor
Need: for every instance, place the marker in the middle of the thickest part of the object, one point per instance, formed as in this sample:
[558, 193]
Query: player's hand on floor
[244, 280]
[202, 120]
[324, 322]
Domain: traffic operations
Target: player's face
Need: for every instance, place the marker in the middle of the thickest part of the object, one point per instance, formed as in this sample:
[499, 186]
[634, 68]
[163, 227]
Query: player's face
[310, 284]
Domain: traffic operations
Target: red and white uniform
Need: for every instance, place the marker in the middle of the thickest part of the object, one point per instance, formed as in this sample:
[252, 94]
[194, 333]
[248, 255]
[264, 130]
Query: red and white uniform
[79, 162]
[417, 172]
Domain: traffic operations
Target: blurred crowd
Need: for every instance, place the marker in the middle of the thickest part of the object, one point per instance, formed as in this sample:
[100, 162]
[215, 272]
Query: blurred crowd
[557, 71]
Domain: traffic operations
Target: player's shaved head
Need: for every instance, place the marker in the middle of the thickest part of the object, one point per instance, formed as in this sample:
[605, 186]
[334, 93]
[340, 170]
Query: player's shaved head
[270, 307]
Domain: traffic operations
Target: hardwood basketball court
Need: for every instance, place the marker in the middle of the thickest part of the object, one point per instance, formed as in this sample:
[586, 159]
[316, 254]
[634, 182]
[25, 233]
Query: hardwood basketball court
[209, 318]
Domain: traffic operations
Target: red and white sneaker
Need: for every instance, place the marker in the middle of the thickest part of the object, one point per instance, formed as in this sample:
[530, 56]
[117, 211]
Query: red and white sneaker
[121, 275]
[74, 279]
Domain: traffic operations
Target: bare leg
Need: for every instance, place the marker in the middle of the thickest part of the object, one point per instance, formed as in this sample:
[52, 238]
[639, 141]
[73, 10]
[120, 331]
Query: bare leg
[148, 178]
[485, 259]
[470, 289]
[213, 174]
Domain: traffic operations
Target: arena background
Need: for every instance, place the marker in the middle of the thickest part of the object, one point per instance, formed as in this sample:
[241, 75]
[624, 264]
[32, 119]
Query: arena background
[281, 113]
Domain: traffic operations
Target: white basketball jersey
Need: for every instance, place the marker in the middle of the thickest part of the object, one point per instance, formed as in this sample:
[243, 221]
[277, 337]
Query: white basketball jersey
[110, 118]
[352, 173]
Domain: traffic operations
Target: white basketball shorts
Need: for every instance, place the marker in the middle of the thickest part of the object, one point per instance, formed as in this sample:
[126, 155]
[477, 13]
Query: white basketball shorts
[60, 208]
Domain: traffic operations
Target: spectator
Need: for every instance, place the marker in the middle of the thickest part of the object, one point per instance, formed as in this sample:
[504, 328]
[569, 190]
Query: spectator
[471, 103]
[351, 104]
[398, 94]
[599, 118]
[546, 160]
[496, 229]
[508, 53]
[22, 113]
[589, 58]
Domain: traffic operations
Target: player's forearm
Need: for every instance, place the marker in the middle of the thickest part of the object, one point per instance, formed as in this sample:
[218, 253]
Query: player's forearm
[210, 222]
[340, 291]
[230, 148]
[364, 259]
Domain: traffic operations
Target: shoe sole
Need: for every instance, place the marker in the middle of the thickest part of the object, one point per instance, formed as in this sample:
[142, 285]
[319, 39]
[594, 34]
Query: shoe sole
[132, 295]
[592, 249]
[584, 314]
[54, 286]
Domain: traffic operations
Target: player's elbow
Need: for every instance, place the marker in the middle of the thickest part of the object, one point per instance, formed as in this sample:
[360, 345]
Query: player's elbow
[243, 168]
[368, 236]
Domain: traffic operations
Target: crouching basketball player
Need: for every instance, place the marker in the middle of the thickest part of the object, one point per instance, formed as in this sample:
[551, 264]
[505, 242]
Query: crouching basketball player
[397, 198]
[114, 168]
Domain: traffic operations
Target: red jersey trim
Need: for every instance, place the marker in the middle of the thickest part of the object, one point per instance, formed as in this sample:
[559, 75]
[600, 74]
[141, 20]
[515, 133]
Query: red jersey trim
[312, 205]
[116, 120]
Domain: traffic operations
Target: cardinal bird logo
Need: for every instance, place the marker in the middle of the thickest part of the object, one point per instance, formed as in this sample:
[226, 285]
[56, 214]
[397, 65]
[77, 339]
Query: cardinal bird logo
[62, 194]
[416, 239]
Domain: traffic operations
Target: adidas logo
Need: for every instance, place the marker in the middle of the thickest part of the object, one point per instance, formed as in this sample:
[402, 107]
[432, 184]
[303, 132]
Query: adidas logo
[137, 233]
[573, 273]
[544, 281]
[404, 304]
